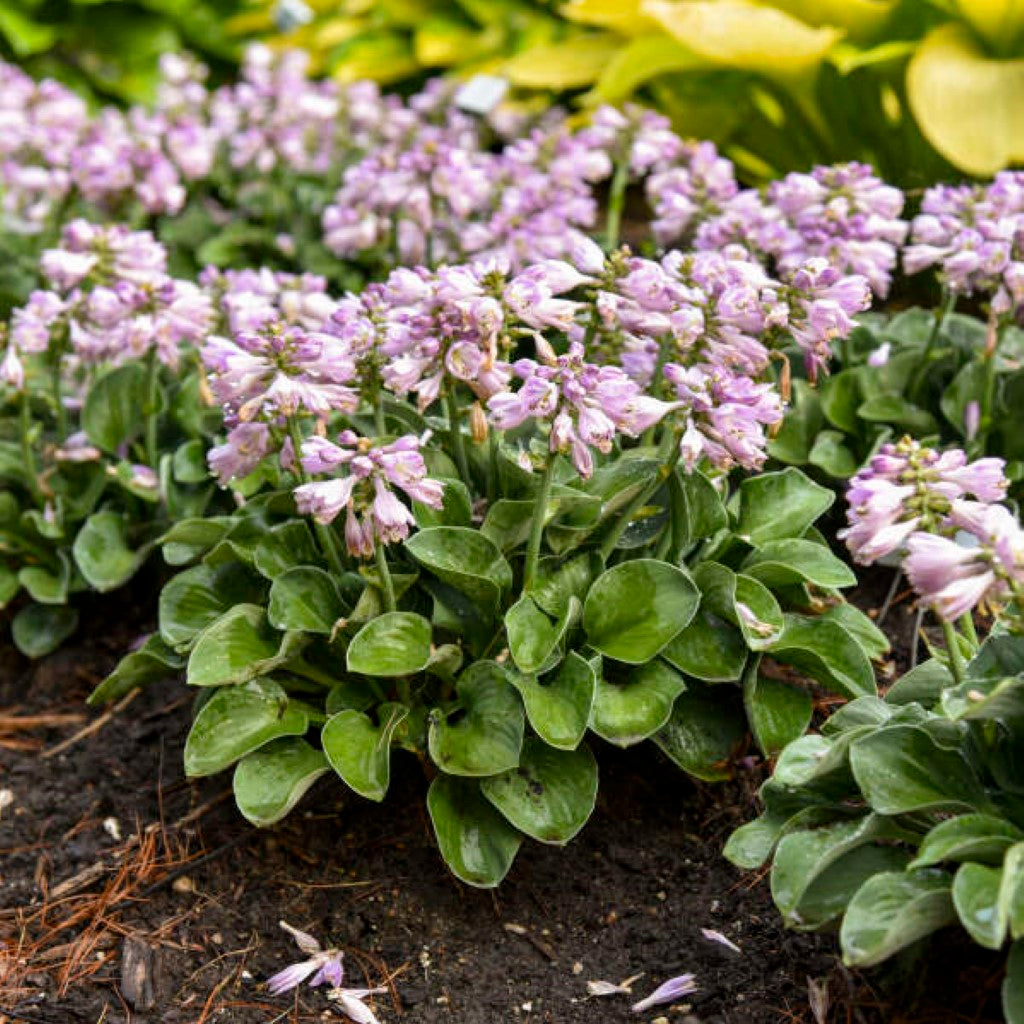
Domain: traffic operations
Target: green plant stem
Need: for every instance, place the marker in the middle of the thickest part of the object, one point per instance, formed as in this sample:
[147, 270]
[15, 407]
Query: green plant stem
[540, 509]
[942, 311]
[152, 410]
[492, 464]
[988, 395]
[328, 541]
[956, 658]
[56, 391]
[645, 495]
[616, 201]
[387, 584]
[458, 441]
[966, 624]
[28, 455]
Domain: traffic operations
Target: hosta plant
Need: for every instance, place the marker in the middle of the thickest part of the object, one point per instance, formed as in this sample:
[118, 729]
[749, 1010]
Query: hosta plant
[904, 815]
[487, 517]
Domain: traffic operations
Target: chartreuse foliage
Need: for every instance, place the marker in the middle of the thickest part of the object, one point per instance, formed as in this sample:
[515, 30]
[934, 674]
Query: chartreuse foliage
[501, 688]
[905, 815]
[945, 378]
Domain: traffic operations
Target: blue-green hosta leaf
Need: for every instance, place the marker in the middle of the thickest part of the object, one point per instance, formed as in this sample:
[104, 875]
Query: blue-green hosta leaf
[874, 642]
[112, 411]
[630, 711]
[831, 454]
[237, 720]
[456, 510]
[776, 506]
[778, 713]
[795, 560]
[558, 706]
[285, 546]
[977, 903]
[393, 644]
[922, 685]
[558, 581]
[477, 843]
[9, 585]
[827, 652]
[974, 837]
[102, 552]
[360, 751]
[239, 646]
[745, 602]
[307, 599]
[533, 634]
[892, 910]
[635, 608]
[1011, 890]
[39, 629]
[465, 559]
[197, 597]
[550, 795]
[483, 734]
[1013, 985]
[710, 648]
[701, 507]
[811, 879]
[705, 729]
[901, 769]
[44, 585]
[270, 781]
[188, 539]
[149, 664]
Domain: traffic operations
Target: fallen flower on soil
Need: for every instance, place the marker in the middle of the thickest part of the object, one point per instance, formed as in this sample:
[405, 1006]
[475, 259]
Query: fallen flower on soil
[714, 936]
[669, 992]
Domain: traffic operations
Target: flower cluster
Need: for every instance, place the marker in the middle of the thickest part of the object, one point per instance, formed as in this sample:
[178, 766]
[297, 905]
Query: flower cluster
[974, 234]
[110, 300]
[940, 513]
[364, 490]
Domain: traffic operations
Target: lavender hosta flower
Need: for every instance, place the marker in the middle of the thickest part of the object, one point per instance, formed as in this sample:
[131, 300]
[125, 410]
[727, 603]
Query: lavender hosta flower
[12, 370]
[364, 490]
[280, 370]
[324, 966]
[352, 1002]
[725, 415]
[669, 992]
[243, 450]
[586, 405]
[639, 138]
[531, 295]
[907, 487]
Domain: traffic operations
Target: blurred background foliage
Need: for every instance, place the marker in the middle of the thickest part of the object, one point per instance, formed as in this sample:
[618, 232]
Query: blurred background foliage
[920, 88]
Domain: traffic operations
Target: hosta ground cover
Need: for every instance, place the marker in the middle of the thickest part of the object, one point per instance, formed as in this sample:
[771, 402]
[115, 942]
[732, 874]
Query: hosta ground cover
[373, 879]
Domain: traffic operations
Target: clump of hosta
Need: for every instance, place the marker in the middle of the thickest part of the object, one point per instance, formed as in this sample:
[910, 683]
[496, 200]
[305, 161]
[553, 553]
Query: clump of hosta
[903, 816]
[471, 526]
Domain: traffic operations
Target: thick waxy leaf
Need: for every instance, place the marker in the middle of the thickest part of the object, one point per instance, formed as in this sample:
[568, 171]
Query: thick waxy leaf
[900, 769]
[873, 641]
[456, 511]
[152, 662]
[44, 585]
[975, 837]
[112, 411]
[393, 644]
[777, 506]
[816, 872]
[550, 795]
[102, 553]
[639, 61]
[39, 629]
[270, 781]
[569, 64]
[484, 734]
[1013, 985]
[477, 843]
[558, 581]
[778, 713]
[558, 706]
[701, 508]
[704, 730]
[965, 102]
[187, 539]
[795, 560]
[745, 602]
[710, 648]
[307, 599]
[237, 720]
[892, 910]
[976, 898]
[239, 646]
[197, 597]
[826, 652]
[533, 634]
[464, 559]
[9, 585]
[831, 454]
[921, 685]
[625, 713]
[634, 609]
[360, 751]
[285, 546]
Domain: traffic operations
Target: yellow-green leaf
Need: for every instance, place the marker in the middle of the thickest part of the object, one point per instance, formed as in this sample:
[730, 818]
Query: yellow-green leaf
[743, 35]
[860, 19]
[572, 64]
[639, 61]
[623, 16]
[999, 22]
[968, 106]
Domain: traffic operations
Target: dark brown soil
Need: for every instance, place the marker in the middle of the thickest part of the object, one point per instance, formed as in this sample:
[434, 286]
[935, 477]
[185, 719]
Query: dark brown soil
[196, 900]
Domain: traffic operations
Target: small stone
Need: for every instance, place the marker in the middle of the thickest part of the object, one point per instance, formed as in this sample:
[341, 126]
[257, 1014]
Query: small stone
[113, 828]
[527, 1006]
[183, 884]
[577, 968]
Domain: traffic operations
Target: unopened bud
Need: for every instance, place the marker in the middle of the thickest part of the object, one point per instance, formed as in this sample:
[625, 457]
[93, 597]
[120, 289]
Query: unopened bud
[478, 427]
